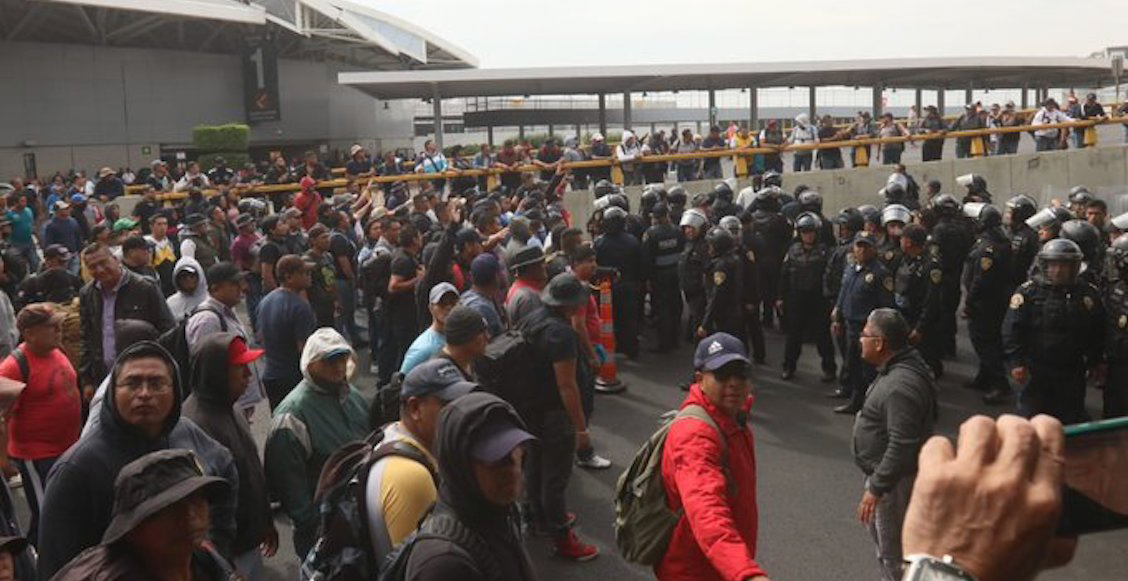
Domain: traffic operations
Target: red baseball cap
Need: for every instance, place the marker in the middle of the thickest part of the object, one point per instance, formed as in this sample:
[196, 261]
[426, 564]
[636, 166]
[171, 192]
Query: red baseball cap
[239, 354]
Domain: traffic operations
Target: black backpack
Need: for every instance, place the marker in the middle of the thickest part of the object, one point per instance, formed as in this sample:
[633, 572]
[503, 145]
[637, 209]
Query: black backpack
[375, 272]
[385, 407]
[444, 525]
[343, 550]
[175, 341]
[508, 368]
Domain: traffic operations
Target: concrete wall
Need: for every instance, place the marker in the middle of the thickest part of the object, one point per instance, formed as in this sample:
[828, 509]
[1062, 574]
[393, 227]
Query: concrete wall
[1043, 176]
[89, 106]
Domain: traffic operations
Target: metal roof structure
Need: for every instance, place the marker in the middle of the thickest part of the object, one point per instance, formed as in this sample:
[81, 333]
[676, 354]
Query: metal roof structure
[348, 31]
[909, 73]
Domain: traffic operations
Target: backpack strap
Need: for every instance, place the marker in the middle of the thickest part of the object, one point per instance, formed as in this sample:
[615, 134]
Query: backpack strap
[445, 525]
[697, 412]
[202, 309]
[21, 361]
[378, 529]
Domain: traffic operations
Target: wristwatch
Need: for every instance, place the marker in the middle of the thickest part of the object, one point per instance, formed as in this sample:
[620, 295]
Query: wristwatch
[929, 568]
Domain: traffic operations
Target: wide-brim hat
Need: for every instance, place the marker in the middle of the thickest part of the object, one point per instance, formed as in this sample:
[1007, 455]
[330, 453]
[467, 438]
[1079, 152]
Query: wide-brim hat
[565, 290]
[526, 256]
[153, 483]
[13, 545]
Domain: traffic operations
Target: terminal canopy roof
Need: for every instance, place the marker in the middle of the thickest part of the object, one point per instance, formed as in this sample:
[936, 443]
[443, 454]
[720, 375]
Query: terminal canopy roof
[347, 31]
[932, 73]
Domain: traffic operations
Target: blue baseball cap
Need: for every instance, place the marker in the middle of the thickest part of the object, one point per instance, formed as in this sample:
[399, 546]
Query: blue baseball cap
[438, 377]
[718, 350]
[77, 198]
[496, 439]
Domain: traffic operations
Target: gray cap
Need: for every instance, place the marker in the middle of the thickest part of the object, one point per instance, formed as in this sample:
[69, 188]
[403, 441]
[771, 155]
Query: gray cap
[439, 291]
[436, 377]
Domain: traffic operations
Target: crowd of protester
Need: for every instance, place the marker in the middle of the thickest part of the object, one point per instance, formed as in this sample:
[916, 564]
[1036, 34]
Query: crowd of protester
[137, 347]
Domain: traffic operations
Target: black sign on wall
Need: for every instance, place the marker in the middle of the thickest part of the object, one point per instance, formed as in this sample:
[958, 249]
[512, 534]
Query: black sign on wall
[260, 79]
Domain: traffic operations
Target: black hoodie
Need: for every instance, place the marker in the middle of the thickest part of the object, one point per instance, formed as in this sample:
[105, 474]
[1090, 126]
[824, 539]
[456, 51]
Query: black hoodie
[211, 408]
[440, 560]
[77, 505]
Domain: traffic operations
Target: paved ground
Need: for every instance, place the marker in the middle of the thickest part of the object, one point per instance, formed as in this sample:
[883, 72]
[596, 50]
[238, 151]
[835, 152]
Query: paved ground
[808, 485]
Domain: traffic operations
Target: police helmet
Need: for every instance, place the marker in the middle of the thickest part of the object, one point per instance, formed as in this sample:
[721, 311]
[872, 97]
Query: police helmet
[614, 220]
[648, 199]
[870, 214]
[899, 179]
[850, 219]
[895, 213]
[1021, 207]
[1078, 190]
[722, 191]
[1060, 250]
[619, 200]
[767, 200]
[720, 241]
[604, 188]
[600, 204]
[1119, 252]
[986, 215]
[676, 196]
[732, 224]
[946, 205]
[811, 201]
[1052, 217]
[974, 183]
[1120, 222]
[660, 210]
[772, 178]
[892, 193]
[693, 217]
[1086, 235]
[808, 221]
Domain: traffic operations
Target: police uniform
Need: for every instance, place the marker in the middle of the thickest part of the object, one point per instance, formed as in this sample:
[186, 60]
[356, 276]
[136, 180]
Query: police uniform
[692, 264]
[865, 287]
[1116, 349]
[917, 288]
[889, 253]
[623, 252]
[952, 241]
[806, 312]
[841, 259]
[1024, 248]
[1056, 333]
[777, 233]
[751, 249]
[987, 282]
[661, 249]
[724, 306]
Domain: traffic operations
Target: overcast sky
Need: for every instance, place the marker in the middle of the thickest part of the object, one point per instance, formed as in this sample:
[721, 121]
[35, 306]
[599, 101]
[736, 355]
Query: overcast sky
[508, 33]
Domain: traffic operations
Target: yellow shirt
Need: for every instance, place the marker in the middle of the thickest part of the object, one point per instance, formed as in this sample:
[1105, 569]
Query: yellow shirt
[742, 142]
[399, 491]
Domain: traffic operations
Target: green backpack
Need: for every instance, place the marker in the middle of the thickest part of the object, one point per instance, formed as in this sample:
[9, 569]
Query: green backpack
[643, 522]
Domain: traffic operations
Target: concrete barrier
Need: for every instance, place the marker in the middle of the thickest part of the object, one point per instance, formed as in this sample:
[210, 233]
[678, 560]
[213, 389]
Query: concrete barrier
[1043, 176]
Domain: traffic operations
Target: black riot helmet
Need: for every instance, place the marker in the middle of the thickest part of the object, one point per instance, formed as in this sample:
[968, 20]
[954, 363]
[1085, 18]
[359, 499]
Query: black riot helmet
[851, 219]
[603, 188]
[1021, 207]
[976, 186]
[648, 200]
[986, 215]
[808, 221]
[620, 201]
[614, 220]
[722, 191]
[771, 178]
[1049, 219]
[870, 214]
[720, 241]
[811, 201]
[660, 210]
[946, 205]
[1060, 250]
[732, 224]
[1086, 235]
[1119, 253]
[766, 200]
[676, 197]
[894, 193]
[1080, 195]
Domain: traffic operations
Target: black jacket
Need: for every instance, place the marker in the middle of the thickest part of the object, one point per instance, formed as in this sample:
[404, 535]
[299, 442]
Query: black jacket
[210, 407]
[138, 298]
[895, 421]
[496, 527]
[77, 504]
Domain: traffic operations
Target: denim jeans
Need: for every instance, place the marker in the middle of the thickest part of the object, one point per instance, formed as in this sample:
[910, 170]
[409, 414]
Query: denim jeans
[346, 320]
[888, 520]
[802, 161]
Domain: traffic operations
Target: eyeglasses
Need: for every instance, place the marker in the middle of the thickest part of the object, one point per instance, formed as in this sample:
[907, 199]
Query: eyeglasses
[156, 384]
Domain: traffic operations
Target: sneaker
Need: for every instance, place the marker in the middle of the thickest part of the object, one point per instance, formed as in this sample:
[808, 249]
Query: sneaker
[538, 530]
[594, 462]
[15, 481]
[572, 548]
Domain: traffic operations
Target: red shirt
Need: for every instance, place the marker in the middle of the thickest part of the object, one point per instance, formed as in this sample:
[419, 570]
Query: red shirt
[308, 202]
[590, 314]
[715, 539]
[517, 286]
[46, 417]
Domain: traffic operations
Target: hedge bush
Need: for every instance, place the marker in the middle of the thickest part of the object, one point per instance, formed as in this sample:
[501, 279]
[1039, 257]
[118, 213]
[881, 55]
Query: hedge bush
[229, 137]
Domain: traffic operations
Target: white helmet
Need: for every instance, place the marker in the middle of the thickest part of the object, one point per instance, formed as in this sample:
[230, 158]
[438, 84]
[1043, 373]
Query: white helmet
[694, 217]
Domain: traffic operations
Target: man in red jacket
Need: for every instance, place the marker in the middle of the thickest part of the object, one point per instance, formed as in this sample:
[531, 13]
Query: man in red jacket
[715, 540]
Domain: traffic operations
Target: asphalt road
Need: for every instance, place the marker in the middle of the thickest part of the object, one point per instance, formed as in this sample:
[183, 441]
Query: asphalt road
[807, 489]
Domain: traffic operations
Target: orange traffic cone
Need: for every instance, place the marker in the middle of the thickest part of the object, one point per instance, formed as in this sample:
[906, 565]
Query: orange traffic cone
[861, 156]
[608, 380]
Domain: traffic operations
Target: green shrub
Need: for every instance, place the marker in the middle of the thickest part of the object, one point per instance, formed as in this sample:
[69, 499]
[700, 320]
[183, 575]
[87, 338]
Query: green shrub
[229, 137]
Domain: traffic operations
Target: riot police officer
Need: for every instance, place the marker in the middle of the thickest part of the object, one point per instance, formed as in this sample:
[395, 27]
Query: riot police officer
[976, 188]
[777, 232]
[893, 220]
[1079, 198]
[722, 202]
[952, 241]
[749, 247]
[1024, 240]
[866, 286]
[692, 264]
[1053, 333]
[1116, 329]
[917, 288]
[987, 282]
[619, 250]
[676, 199]
[805, 311]
[1089, 240]
[724, 288]
[1047, 222]
[849, 223]
[661, 250]
[812, 201]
